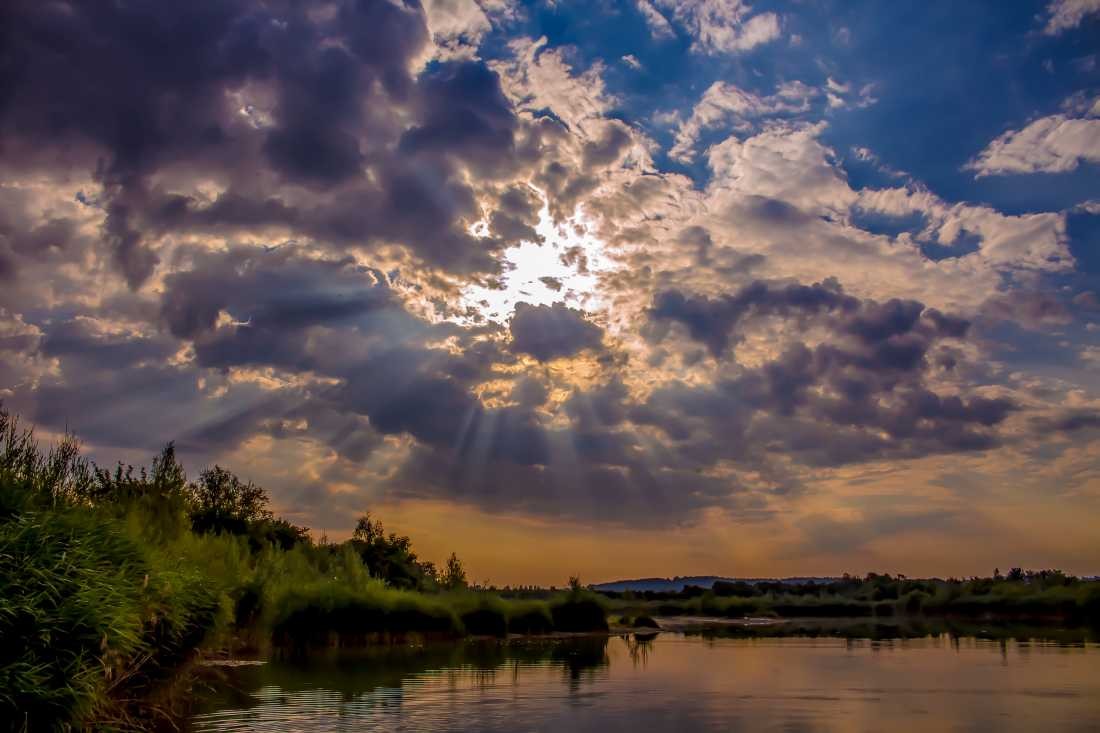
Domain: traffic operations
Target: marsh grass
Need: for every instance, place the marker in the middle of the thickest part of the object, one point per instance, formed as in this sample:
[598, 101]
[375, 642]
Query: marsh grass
[112, 581]
[87, 619]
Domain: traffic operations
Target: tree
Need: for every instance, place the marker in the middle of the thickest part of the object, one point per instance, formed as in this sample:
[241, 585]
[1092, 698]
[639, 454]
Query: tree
[368, 530]
[168, 476]
[221, 502]
[454, 575]
[389, 557]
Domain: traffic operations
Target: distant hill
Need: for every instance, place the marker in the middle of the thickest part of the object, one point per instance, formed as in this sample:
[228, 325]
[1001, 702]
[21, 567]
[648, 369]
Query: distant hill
[678, 583]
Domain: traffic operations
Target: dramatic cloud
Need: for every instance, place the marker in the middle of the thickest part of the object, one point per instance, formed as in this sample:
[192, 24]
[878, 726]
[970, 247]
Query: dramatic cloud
[466, 260]
[206, 119]
[548, 332]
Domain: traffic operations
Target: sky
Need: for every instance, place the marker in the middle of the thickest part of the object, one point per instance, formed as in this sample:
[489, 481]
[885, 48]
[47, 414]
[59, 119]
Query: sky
[608, 288]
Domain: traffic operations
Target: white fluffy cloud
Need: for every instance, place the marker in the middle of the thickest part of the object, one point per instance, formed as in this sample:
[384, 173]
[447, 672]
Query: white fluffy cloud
[727, 104]
[1054, 144]
[785, 163]
[538, 77]
[722, 26]
[457, 26]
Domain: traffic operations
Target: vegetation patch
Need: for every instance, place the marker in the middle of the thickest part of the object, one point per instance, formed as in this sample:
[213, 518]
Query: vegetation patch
[111, 580]
[579, 611]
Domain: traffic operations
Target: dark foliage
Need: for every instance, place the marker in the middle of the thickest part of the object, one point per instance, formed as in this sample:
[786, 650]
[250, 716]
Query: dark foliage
[579, 611]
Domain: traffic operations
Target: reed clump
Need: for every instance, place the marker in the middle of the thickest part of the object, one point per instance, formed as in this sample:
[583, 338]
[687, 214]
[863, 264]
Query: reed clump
[112, 580]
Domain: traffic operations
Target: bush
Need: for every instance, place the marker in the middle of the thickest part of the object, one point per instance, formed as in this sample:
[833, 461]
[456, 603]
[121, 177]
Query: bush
[579, 611]
[913, 602]
[485, 621]
[645, 622]
[530, 618]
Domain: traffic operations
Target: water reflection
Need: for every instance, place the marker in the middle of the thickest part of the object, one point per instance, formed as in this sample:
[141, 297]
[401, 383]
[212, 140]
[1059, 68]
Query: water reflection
[674, 682]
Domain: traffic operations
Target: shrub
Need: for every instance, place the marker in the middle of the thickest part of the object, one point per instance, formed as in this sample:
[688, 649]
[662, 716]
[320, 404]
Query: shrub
[579, 611]
[530, 618]
[485, 621]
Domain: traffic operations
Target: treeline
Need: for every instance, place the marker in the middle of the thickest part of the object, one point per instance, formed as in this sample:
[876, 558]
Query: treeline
[1050, 594]
[111, 580]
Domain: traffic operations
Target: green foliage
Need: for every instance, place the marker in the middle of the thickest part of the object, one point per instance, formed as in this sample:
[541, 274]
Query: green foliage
[35, 478]
[530, 617]
[86, 613]
[111, 579]
[1042, 594]
[579, 610]
[221, 502]
[390, 557]
[454, 575]
[332, 613]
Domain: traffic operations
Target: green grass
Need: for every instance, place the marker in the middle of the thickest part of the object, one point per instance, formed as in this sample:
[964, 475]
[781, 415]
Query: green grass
[88, 618]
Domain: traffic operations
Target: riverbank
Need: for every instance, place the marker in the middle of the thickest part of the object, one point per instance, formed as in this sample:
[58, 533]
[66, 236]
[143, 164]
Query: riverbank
[112, 582]
[1038, 596]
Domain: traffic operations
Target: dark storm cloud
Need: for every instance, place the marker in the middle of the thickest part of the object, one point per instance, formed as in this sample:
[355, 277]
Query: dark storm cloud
[75, 342]
[839, 402]
[299, 110]
[894, 334]
[410, 391]
[547, 332]
[464, 114]
[1069, 421]
[710, 321]
[516, 215]
[270, 289]
[529, 392]
[29, 240]
[859, 395]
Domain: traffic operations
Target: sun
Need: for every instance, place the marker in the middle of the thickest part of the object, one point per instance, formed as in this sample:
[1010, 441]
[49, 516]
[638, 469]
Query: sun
[564, 268]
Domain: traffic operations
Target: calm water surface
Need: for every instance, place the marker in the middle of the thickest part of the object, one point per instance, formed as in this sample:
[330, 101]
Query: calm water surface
[673, 683]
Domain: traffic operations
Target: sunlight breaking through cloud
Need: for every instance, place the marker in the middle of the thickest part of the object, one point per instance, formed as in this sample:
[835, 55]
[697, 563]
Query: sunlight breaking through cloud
[564, 268]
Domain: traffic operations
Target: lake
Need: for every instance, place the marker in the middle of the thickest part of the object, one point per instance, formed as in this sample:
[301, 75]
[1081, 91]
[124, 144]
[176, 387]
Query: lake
[673, 682]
